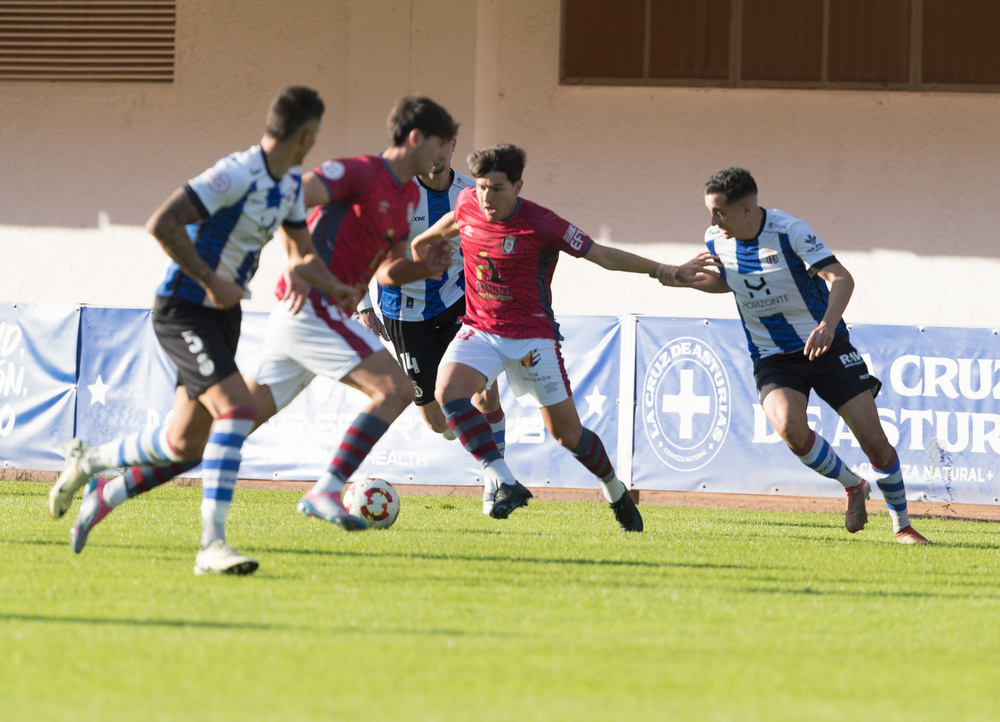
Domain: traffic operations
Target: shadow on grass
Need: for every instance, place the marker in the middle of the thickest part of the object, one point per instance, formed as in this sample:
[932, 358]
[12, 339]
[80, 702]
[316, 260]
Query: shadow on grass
[179, 623]
[407, 556]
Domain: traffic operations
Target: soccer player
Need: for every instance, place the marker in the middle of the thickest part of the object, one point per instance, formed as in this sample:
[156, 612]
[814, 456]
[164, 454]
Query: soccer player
[798, 339]
[361, 226]
[510, 247]
[422, 317]
[213, 229]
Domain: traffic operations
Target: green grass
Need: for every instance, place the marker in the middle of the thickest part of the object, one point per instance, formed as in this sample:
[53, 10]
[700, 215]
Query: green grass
[550, 615]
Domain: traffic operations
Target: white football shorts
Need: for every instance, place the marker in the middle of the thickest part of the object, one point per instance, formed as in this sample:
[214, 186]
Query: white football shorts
[534, 366]
[319, 340]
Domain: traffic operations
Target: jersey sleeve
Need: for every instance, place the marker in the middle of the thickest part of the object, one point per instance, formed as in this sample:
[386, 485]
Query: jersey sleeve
[561, 234]
[296, 217]
[346, 178]
[809, 247]
[221, 186]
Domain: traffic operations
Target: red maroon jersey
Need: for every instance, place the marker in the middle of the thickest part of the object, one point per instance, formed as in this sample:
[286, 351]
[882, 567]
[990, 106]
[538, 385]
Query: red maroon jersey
[368, 212]
[509, 266]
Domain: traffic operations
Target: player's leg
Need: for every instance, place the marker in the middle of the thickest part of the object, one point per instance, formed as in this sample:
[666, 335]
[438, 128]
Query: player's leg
[187, 429]
[488, 402]
[861, 416]
[563, 422]
[472, 361]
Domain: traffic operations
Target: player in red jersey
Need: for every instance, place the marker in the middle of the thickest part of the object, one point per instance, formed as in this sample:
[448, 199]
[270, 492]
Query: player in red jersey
[360, 228]
[510, 246]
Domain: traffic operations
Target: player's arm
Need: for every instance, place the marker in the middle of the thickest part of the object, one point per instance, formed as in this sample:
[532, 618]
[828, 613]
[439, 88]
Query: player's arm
[396, 269]
[315, 192]
[700, 273]
[444, 229]
[168, 226]
[841, 288]
[304, 262]
[615, 259]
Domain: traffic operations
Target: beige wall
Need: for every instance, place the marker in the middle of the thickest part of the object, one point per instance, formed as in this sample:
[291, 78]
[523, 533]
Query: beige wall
[901, 185]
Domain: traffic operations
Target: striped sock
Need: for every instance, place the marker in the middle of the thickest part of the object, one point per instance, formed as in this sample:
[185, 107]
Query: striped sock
[473, 430]
[148, 447]
[591, 453]
[140, 479]
[220, 469]
[361, 436]
[819, 456]
[498, 424]
[890, 483]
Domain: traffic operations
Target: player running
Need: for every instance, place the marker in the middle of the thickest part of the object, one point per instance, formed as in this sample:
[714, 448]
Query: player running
[422, 317]
[213, 229]
[510, 248]
[798, 339]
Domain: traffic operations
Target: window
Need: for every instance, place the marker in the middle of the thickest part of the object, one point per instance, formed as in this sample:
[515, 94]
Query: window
[876, 44]
[87, 41]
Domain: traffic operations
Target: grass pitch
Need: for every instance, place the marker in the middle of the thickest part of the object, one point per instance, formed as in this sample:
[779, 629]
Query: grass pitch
[552, 614]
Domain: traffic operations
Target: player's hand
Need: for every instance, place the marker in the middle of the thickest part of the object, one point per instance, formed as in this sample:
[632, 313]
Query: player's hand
[819, 341]
[437, 258]
[370, 320]
[697, 269]
[224, 294]
[296, 290]
[347, 297]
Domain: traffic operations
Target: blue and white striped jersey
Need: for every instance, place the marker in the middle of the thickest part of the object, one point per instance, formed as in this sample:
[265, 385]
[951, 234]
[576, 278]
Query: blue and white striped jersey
[773, 277]
[427, 298]
[243, 207]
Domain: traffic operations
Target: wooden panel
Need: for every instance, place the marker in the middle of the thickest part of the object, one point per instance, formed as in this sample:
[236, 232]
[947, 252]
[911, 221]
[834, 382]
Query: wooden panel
[960, 41]
[86, 41]
[869, 41]
[603, 39]
[689, 39]
[782, 40]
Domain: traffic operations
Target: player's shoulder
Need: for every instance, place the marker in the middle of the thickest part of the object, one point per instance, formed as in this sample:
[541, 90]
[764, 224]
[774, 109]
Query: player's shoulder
[336, 169]
[462, 181]
[233, 173]
[779, 221]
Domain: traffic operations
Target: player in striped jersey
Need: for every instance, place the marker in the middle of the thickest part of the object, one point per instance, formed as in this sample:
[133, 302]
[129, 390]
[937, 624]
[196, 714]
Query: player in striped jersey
[791, 293]
[422, 317]
[213, 229]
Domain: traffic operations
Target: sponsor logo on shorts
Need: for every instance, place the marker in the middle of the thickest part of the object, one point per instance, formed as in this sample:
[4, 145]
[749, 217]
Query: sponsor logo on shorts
[531, 359]
[852, 359]
[685, 402]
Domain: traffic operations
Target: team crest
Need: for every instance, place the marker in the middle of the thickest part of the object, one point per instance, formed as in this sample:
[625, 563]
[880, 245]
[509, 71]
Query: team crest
[769, 257]
[508, 244]
[531, 360]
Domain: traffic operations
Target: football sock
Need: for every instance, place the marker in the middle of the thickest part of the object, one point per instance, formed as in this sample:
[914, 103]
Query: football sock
[140, 479]
[591, 453]
[220, 469]
[364, 432]
[498, 424]
[819, 456]
[890, 483]
[473, 431]
[148, 447]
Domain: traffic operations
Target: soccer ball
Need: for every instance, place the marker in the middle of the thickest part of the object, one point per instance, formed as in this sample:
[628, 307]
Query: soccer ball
[374, 500]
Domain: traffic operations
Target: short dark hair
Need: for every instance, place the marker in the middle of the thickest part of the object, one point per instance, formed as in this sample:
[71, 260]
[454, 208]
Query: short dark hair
[292, 108]
[415, 112]
[505, 158]
[734, 183]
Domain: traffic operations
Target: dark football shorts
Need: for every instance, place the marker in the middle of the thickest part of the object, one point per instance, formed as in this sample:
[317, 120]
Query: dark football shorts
[200, 341]
[837, 376]
[421, 344]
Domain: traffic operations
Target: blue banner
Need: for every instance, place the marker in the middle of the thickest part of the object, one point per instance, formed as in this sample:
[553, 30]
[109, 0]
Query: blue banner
[37, 384]
[700, 427]
[696, 423]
